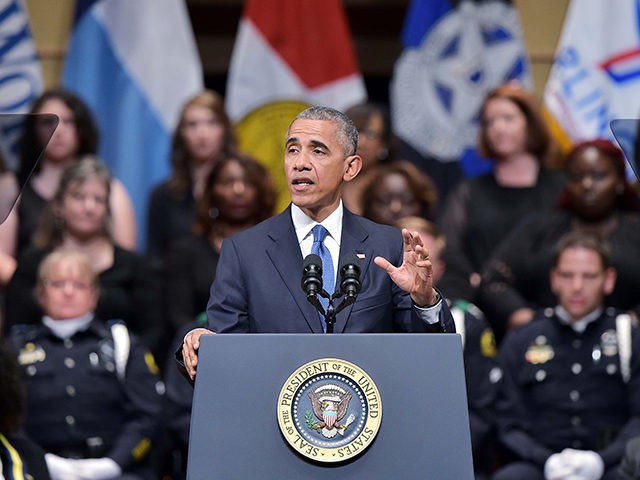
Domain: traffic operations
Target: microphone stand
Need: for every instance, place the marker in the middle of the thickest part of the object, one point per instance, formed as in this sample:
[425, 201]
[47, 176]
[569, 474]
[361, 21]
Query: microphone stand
[312, 285]
[330, 316]
[332, 311]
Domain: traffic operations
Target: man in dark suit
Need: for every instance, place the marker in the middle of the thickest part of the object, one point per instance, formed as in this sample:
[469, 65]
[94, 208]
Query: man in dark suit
[257, 287]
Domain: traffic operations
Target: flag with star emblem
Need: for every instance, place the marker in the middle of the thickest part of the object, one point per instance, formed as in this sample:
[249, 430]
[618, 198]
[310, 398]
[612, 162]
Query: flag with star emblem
[454, 53]
[595, 77]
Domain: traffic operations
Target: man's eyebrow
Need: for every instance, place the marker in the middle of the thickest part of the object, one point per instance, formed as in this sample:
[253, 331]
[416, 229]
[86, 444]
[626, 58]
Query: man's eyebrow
[314, 143]
[318, 143]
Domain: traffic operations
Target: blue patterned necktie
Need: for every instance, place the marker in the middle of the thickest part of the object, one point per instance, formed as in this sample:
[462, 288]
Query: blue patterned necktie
[328, 279]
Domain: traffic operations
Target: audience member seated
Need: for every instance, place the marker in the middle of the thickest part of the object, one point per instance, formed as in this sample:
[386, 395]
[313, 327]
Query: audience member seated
[75, 136]
[238, 193]
[397, 190]
[374, 140]
[78, 219]
[481, 211]
[94, 397]
[569, 399]
[482, 372]
[20, 457]
[203, 137]
[597, 199]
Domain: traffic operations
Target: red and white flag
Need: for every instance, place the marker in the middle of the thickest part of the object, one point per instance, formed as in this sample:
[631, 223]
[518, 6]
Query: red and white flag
[288, 54]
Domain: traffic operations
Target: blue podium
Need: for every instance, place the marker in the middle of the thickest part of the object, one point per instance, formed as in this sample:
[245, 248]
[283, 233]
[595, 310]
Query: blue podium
[422, 423]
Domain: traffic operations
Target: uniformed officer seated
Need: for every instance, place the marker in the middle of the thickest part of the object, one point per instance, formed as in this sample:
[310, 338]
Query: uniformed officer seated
[482, 373]
[93, 393]
[570, 396]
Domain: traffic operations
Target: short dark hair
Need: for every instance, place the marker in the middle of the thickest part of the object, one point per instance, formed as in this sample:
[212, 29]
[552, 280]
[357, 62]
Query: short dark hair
[589, 241]
[346, 128]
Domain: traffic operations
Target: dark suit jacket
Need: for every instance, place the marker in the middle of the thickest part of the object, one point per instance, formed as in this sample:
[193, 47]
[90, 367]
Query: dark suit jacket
[257, 288]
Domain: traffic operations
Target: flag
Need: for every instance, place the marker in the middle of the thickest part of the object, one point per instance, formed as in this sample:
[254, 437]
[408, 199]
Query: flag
[595, 76]
[288, 54]
[20, 75]
[454, 54]
[135, 63]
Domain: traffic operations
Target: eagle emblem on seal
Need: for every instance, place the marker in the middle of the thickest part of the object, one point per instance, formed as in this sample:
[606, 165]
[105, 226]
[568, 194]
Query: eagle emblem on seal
[329, 403]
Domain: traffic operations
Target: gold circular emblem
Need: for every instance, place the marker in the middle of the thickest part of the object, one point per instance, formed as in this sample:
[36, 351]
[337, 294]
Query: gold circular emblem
[329, 410]
[262, 135]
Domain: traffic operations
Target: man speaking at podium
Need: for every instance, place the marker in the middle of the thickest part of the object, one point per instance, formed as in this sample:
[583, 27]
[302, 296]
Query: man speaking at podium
[257, 287]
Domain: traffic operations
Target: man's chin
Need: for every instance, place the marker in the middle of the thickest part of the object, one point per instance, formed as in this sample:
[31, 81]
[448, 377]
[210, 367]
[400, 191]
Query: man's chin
[300, 199]
[577, 313]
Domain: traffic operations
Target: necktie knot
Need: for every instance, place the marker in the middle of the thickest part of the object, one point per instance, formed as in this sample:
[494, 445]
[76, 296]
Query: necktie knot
[319, 233]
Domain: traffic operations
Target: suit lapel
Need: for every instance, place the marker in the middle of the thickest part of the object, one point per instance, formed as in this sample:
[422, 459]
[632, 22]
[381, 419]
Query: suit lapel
[284, 252]
[354, 237]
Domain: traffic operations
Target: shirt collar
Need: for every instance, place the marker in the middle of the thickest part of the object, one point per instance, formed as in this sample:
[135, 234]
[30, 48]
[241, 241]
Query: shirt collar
[577, 325]
[303, 224]
[67, 328]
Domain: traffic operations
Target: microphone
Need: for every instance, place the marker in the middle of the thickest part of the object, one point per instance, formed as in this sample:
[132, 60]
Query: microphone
[350, 278]
[312, 279]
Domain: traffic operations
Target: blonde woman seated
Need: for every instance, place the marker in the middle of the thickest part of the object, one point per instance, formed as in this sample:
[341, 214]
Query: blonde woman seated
[79, 219]
[93, 393]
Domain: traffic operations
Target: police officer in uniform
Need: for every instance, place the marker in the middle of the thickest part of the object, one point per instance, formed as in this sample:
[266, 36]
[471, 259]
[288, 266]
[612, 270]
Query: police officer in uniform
[482, 372]
[482, 378]
[570, 396]
[94, 394]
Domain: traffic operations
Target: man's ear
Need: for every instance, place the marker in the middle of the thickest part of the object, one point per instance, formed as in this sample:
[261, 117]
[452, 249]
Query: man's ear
[353, 165]
[610, 280]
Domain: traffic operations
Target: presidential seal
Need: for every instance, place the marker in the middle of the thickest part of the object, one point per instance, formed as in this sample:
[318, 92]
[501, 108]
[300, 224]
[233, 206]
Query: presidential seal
[329, 410]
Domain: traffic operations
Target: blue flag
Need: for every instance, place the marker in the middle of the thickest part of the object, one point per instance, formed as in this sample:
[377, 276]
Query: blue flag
[135, 63]
[454, 54]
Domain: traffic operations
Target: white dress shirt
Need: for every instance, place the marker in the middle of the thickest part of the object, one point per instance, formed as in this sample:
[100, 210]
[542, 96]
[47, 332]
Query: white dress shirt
[303, 226]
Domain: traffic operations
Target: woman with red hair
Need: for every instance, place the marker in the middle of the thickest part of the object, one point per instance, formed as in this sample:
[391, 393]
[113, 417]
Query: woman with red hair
[597, 199]
[481, 211]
